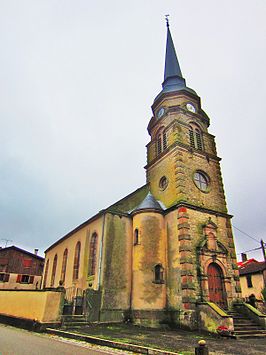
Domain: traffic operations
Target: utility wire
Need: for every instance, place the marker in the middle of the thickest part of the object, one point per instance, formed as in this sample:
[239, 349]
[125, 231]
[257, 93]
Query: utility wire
[246, 234]
[247, 251]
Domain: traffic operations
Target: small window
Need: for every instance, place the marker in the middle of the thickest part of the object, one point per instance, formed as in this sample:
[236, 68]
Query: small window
[158, 274]
[195, 137]
[201, 180]
[136, 236]
[198, 139]
[164, 140]
[191, 137]
[161, 141]
[159, 144]
[249, 281]
[25, 279]
[4, 277]
[163, 183]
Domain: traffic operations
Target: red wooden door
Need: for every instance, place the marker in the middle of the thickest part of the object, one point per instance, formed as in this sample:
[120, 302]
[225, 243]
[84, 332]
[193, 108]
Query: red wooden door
[216, 285]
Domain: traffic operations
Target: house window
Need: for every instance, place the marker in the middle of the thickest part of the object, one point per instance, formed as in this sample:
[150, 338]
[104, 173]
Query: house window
[195, 137]
[93, 254]
[76, 262]
[25, 279]
[46, 274]
[201, 180]
[54, 270]
[249, 281]
[4, 277]
[64, 264]
[158, 274]
[136, 236]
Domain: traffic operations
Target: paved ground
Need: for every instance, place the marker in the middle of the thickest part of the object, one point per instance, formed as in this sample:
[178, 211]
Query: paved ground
[14, 341]
[179, 341]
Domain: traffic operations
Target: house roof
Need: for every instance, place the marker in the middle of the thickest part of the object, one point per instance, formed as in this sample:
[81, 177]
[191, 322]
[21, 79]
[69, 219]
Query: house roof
[13, 247]
[252, 266]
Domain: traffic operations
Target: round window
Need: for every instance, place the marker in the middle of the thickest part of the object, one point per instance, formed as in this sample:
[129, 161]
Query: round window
[163, 183]
[201, 180]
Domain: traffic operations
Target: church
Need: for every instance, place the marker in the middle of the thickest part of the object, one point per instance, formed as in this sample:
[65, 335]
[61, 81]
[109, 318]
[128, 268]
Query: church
[166, 250]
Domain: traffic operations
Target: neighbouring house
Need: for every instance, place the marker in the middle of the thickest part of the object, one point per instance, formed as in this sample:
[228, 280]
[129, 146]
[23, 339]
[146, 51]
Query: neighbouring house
[252, 275]
[166, 250]
[20, 269]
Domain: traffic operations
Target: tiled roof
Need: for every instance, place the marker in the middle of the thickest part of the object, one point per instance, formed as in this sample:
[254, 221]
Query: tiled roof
[252, 267]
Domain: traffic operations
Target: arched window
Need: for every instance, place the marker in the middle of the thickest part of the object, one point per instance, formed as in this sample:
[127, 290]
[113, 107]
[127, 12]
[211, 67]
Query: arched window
[93, 254]
[136, 236]
[195, 137]
[158, 274]
[161, 141]
[54, 270]
[76, 262]
[45, 274]
[64, 264]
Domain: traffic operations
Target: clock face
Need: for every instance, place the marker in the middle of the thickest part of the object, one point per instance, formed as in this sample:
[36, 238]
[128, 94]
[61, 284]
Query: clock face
[191, 108]
[160, 112]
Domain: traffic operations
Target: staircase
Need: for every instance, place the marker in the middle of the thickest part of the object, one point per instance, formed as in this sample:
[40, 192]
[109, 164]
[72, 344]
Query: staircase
[74, 321]
[245, 327]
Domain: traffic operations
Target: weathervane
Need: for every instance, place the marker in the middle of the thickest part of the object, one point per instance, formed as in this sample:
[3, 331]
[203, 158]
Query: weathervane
[167, 20]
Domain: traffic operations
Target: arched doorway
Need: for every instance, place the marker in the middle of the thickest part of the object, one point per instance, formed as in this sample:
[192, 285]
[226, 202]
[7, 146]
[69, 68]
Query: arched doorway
[216, 286]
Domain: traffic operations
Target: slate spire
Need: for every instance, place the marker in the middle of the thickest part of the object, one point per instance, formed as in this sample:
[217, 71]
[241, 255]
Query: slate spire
[172, 67]
[173, 78]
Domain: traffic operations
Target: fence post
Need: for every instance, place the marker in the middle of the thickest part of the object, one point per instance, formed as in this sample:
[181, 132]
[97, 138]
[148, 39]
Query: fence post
[202, 349]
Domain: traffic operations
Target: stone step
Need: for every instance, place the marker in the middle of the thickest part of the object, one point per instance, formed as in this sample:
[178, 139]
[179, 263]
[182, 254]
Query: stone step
[75, 326]
[250, 328]
[250, 336]
[70, 324]
[250, 332]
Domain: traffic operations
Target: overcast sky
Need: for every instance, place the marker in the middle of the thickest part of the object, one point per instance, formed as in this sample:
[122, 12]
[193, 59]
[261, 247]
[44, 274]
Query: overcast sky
[77, 81]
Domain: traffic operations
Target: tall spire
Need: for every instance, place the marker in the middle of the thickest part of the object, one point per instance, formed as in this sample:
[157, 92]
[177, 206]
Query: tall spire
[172, 67]
[173, 78]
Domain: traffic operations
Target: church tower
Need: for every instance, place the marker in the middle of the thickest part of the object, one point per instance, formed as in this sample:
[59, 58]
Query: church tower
[183, 172]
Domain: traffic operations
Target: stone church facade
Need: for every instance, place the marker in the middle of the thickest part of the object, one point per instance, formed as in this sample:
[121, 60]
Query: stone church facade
[161, 252]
